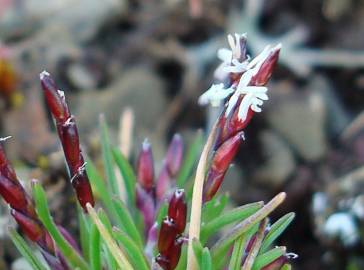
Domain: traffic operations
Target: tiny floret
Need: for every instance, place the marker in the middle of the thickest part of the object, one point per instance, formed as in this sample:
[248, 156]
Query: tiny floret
[215, 94]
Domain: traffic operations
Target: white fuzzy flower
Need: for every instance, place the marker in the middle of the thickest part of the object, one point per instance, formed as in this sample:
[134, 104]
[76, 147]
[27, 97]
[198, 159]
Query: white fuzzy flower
[215, 94]
[254, 96]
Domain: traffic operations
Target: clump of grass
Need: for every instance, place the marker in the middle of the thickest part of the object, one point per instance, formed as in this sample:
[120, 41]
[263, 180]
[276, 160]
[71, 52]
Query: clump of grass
[167, 220]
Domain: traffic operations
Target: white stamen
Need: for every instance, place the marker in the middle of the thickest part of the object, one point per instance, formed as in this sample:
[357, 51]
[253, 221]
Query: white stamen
[215, 94]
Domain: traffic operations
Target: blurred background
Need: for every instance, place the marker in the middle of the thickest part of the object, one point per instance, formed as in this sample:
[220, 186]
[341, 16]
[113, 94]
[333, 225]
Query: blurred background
[148, 61]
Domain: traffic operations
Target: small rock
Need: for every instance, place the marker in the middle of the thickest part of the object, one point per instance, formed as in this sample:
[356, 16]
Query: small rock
[80, 77]
[279, 163]
[300, 118]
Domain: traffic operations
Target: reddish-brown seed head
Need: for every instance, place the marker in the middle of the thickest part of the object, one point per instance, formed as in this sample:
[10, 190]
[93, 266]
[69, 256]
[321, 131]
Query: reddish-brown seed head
[71, 143]
[83, 190]
[55, 98]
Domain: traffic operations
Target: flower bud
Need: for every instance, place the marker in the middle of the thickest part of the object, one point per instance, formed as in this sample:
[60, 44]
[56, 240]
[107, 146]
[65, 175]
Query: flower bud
[177, 210]
[219, 165]
[163, 183]
[163, 262]
[54, 98]
[167, 235]
[145, 167]
[71, 144]
[146, 205]
[30, 227]
[266, 69]
[174, 155]
[12, 193]
[175, 253]
[83, 189]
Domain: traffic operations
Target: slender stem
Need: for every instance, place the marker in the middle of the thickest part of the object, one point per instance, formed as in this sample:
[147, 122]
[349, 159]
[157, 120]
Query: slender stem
[195, 220]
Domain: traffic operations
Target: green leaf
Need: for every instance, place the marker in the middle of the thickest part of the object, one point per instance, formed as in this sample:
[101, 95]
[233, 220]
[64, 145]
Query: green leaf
[190, 160]
[197, 249]
[97, 181]
[268, 257]
[214, 208]
[206, 263]
[134, 252]
[108, 159]
[95, 248]
[26, 251]
[246, 225]
[276, 230]
[84, 233]
[72, 256]
[103, 225]
[127, 222]
[237, 214]
[238, 251]
[127, 172]
[182, 264]
[107, 225]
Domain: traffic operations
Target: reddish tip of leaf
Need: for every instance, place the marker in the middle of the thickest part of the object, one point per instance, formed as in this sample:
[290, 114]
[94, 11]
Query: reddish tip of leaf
[145, 167]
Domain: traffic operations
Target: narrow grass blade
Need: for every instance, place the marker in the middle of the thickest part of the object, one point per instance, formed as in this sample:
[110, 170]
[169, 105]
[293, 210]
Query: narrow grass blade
[100, 185]
[117, 253]
[127, 222]
[237, 214]
[26, 251]
[67, 250]
[276, 230]
[190, 160]
[84, 233]
[214, 208]
[238, 251]
[206, 262]
[182, 264]
[134, 252]
[246, 224]
[108, 159]
[95, 248]
[268, 257]
[127, 172]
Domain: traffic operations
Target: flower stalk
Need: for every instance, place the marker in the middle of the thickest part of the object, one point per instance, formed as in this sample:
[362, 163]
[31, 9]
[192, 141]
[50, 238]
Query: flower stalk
[68, 135]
